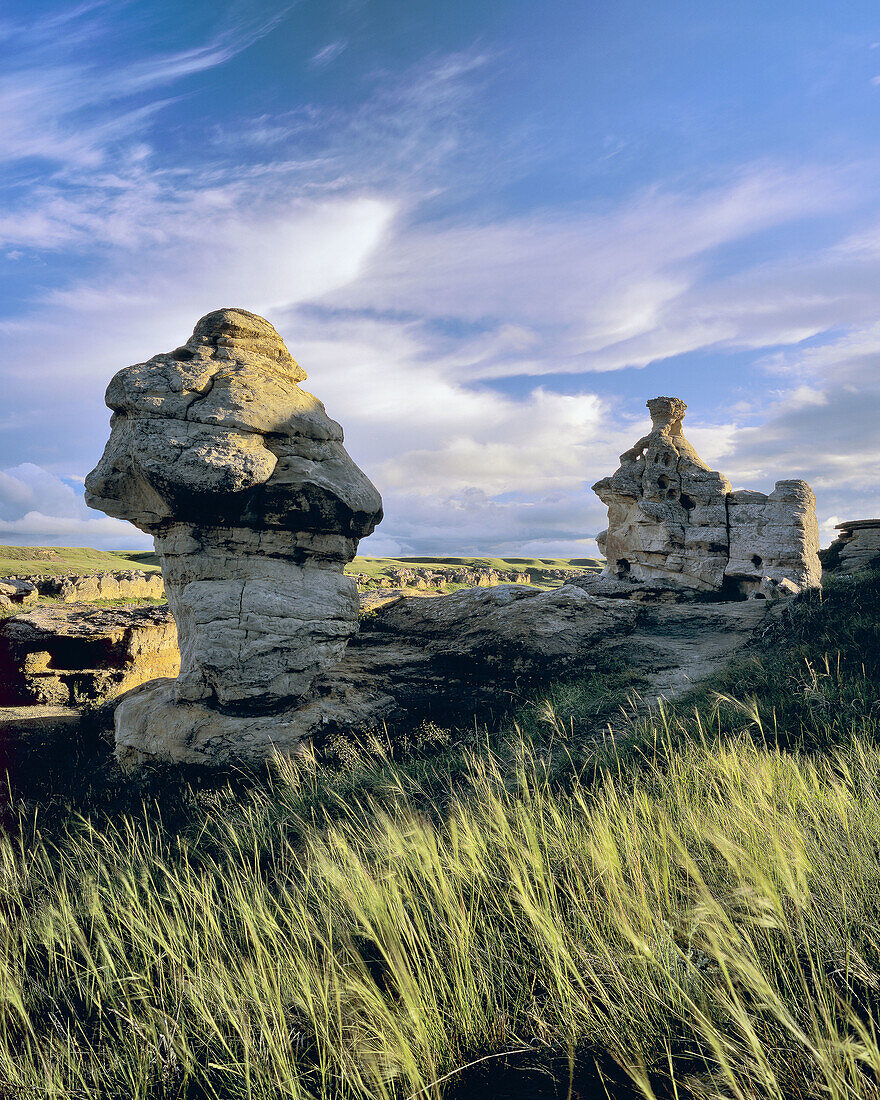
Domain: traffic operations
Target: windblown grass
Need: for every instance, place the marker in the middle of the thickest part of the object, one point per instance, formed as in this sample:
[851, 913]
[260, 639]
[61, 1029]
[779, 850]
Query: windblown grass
[714, 922]
[693, 910]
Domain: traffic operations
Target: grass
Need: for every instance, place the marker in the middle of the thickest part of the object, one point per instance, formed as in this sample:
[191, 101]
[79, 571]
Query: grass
[540, 570]
[689, 911]
[32, 560]
[28, 561]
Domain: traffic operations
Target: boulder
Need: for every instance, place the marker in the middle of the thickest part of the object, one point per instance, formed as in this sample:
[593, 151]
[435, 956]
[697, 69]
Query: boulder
[453, 653]
[255, 508]
[69, 656]
[857, 546]
[676, 525]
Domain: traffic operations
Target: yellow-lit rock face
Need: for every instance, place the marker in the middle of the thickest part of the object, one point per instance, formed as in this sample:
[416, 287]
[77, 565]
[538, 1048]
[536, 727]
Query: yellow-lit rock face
[255, 507]
[675, 523]
[67, 656]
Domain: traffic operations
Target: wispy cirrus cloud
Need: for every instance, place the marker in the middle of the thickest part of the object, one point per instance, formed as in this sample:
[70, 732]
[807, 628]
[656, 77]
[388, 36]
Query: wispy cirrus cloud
[57, 108]
[328, 54]
[603, 291]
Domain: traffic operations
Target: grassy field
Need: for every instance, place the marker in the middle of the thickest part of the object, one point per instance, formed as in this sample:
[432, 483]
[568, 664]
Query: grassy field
[32, 560]
[27, 561]
[540, 570]
[691, 911]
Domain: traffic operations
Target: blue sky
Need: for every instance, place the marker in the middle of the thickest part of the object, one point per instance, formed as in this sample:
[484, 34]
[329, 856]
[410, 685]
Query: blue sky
[489, 231]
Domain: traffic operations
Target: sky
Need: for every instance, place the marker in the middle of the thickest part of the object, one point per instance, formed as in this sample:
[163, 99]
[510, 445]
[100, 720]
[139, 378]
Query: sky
[489, 230]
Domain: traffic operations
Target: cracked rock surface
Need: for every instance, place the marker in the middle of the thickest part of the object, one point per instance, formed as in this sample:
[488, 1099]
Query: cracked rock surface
[676, 524]
[255, 508]
[857, 546]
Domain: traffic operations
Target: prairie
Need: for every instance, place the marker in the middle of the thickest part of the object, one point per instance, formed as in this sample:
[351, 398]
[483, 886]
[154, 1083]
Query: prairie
[685, 907]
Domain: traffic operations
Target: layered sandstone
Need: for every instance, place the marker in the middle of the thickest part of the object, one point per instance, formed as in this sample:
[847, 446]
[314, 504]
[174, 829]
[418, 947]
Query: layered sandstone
[255, 508]
[857, 546]
[75, 655]
[120, 584]
[676, 524]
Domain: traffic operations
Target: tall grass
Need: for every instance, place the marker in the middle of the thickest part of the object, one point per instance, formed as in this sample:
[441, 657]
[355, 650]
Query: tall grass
[714, 922]
[691, 910]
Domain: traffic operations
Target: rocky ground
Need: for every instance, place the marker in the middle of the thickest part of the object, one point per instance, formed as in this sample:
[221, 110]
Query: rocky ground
[447, 658]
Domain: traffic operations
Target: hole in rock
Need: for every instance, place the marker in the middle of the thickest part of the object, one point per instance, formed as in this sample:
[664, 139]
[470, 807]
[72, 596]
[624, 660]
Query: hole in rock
[687, 502]
[757, 560]
[733, 589]
[622, 567]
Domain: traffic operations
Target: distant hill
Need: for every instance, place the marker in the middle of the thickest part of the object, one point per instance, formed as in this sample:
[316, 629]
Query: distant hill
[29, 560]
[544, 572]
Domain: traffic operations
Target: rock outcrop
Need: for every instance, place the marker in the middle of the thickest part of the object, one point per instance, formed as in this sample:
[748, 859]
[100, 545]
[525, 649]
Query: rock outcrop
[255, 508]
[421, 577]
[450, 656]
[75, 655]
[17, 592]
[857, 546]
[121, 584]
[675, 524]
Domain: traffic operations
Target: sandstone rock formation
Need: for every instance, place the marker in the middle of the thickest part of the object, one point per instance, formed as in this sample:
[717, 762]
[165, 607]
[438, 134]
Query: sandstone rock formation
[17, 592]
[255, 508]
[857, 545]
[450, 656]
[675, 524]
[121, 584]
[69, 656]
[425, 578]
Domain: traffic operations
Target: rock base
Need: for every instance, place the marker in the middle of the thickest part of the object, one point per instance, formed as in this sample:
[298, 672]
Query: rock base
[152, 724]
[447, 659]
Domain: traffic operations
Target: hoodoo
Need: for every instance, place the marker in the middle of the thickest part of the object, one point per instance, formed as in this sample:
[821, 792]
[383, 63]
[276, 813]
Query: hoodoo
[676, 524]
[255, 508]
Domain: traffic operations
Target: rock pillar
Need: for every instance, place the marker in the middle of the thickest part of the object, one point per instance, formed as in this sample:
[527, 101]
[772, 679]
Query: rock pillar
[255, 508]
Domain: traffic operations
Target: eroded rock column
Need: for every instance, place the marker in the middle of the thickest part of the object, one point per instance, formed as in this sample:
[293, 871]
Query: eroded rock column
[675, 524]
[667, 514]
[255, 508]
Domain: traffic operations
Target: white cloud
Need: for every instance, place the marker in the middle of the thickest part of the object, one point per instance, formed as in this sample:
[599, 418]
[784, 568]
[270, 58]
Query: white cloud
[600, 291]
[148, 301]
[328, 54]
[38, 508]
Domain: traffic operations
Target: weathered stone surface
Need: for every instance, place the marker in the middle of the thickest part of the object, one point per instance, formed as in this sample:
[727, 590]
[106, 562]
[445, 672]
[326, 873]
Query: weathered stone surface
[452, 655]
[69, 656]
[449, 657]
[255, 508]
[675, 524]
[414, 656]
[857, 546]
[17, 592]
[122, 584]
